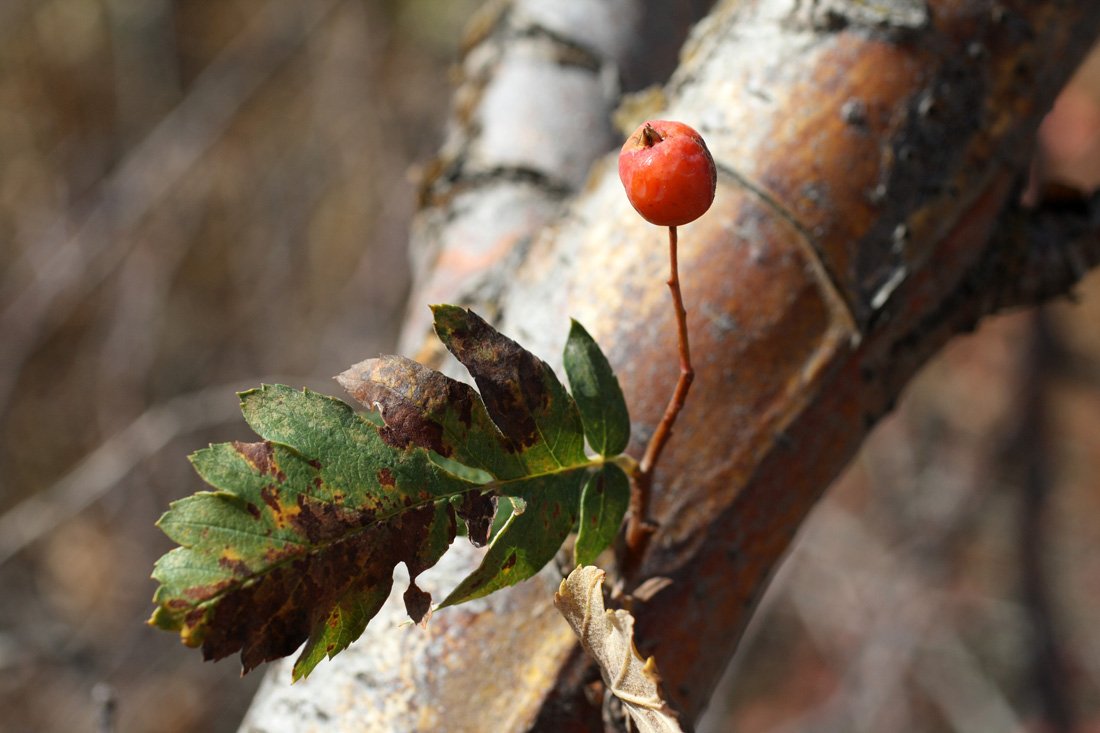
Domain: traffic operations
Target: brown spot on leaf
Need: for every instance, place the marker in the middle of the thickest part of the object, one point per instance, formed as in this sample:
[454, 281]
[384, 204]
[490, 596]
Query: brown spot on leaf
[201, 593]
[235, 566]
[253, 510]
[418, 603]
[413, 399]
[273, 555]
[317, 521]
[477, 511]
[270, 495]
[281, 514]
[385, 478]
[405, 427]
[194, 618]
[261, 456]
[321, 522]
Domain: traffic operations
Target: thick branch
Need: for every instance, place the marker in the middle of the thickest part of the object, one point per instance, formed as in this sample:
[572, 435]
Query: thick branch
[867, 156]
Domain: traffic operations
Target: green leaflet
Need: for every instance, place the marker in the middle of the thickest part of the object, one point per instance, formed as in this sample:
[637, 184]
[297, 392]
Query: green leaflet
[530, 539]
[596, 390]
[603, 504]
[300, 537]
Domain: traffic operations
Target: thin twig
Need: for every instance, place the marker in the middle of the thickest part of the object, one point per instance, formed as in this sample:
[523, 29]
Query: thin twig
[103, 469]
[1029, 446]
[640, 528]
[70, 258]
[105, 698]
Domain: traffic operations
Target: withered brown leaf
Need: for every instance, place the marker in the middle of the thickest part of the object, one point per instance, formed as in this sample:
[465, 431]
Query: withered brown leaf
[608, 637]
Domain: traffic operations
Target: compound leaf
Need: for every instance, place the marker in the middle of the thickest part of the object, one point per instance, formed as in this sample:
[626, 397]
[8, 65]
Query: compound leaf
[300, 540]
[300, 536]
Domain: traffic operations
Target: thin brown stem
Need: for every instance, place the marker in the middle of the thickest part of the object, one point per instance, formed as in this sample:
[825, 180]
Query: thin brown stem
[639, 528]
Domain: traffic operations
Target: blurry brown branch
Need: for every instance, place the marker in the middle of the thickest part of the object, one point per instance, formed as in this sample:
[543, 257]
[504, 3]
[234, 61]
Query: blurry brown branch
[104, 468]
[892, 601]
[1028, 452]
[74, 254]
[870, 160]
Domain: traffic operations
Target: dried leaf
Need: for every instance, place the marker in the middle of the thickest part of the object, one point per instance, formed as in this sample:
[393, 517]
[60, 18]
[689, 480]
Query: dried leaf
[608, 637]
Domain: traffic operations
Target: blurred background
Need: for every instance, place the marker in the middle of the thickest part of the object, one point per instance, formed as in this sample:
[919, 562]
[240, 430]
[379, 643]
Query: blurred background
[200, 195]
[195, 196]
[950, 579]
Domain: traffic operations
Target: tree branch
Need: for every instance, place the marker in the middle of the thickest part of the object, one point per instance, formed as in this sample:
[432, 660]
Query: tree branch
[867, 158]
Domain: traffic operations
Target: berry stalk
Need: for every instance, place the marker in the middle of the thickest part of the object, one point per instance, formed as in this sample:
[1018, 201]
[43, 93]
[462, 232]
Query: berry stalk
[639, 528]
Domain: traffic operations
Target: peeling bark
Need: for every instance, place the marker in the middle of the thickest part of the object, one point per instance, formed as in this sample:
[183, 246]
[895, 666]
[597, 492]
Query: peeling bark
[870, 157]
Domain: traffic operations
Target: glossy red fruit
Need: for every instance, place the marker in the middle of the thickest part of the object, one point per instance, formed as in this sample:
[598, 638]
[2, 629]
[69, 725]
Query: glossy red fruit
[668, 173]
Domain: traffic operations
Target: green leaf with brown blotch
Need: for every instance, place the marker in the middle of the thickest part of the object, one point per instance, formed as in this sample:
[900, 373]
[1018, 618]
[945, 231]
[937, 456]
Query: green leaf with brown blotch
[522, 394]
[299, 539]
[604, 502]
[424, 408]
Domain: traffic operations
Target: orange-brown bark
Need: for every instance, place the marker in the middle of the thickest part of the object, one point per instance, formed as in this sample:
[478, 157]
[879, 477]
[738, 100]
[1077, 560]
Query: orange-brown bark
[867, 169]
[851, 236]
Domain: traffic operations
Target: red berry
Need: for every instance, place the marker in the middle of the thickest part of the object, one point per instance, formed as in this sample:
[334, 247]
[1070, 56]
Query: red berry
[668, 173]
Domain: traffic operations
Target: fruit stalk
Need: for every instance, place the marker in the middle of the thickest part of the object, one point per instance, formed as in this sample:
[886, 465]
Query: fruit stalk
[639, 528]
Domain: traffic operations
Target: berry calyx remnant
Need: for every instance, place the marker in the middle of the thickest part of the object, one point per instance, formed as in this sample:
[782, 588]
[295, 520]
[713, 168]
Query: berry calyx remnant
[668, 173]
